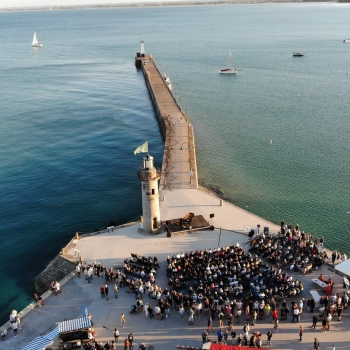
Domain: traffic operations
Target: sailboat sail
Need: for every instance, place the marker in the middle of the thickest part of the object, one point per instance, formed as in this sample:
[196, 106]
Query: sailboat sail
[229, 70]
[35, 42]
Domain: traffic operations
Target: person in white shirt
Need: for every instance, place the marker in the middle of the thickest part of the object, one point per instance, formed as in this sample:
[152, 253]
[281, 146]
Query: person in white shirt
[14, 326]
[295, 315]
[182, 312]
[57, 288]
[77, 270]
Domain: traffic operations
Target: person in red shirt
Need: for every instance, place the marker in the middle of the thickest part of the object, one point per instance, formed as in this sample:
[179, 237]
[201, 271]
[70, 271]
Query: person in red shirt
[321, 278]
[126, 344]
[102, 291]
[274, 314]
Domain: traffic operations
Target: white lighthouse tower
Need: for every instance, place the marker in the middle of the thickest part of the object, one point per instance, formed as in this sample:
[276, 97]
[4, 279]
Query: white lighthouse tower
[149, 177]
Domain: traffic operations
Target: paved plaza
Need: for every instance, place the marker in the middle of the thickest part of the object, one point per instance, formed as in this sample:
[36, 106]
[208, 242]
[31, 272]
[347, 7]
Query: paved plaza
[169, 333]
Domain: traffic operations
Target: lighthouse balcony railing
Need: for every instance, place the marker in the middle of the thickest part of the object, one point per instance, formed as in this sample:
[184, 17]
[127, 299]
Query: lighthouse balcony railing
[145, 175]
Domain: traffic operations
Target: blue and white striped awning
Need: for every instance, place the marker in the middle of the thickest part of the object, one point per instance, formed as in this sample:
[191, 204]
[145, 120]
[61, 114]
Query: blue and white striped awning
[52, 334]
[39, 343]
[72, 325]
[43, 341]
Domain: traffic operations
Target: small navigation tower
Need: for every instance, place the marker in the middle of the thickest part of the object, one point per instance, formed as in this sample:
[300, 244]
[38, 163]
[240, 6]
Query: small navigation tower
[140, 55]
[142, 50]
[149, 177]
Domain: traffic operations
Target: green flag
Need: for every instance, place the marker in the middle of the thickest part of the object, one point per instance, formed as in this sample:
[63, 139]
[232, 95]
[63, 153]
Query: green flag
[143, 148]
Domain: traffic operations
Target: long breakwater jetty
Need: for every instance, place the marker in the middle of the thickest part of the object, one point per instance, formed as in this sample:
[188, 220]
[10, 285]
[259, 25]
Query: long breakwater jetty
[179, 168]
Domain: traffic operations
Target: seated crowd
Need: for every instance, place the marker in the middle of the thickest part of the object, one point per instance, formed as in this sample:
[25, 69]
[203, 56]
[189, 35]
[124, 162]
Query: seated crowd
[230, 272]
[292, 249]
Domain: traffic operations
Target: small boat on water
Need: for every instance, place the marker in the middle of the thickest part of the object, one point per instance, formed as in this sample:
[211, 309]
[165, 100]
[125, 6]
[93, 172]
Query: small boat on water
[346, 41]
[299, 53]
[229, 70]
[35, 42]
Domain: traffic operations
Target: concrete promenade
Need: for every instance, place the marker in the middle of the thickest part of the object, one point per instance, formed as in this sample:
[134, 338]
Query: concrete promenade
[110, 248]
[179, 168]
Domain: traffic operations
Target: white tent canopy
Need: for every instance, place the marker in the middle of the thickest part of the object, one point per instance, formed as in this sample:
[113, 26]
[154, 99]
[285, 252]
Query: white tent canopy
[344, 268]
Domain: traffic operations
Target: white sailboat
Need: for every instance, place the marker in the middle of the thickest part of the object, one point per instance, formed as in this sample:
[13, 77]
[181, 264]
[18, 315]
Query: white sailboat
[299, 53]
[35, 42]
[229, 70]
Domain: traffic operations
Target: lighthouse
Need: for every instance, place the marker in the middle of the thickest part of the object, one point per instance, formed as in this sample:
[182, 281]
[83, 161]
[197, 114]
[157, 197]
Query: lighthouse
[149, 177]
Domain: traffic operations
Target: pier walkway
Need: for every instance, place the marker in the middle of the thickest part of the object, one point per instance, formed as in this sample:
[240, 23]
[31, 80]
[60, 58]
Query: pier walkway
[179, 169]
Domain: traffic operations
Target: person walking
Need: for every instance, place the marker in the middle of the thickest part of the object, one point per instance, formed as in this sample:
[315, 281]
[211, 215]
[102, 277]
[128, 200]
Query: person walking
[145, 309]
[106, 291]
[324, 324]
[210, 324]
[126, 344]
[205, 337]
[269, 337]
[150, 311]
[275, 326]
[314, 321]
[122, 320]
[301, 332]
[102, 291]
[255, 315]
[233, 335]
[312, 305]
[221, 319]
[182, 312]
[339, 311]
[18, 321]
[316, 344]
[190, 316]
[116, 290]
[274, 314]
[246, 328]
[15, 328]
[157, 311]
[329, 321]
[295, 315]
[116, 335]
[238, 315]
[226, 336]
[131, 339]
[220, 335]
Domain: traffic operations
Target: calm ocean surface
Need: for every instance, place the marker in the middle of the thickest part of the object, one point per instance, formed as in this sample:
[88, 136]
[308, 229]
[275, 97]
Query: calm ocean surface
[73, 111]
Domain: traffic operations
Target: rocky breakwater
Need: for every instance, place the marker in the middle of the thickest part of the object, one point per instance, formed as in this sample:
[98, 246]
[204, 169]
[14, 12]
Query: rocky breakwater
[62, 265]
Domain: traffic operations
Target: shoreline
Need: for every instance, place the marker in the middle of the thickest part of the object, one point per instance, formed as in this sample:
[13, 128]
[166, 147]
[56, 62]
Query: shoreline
[157, 4]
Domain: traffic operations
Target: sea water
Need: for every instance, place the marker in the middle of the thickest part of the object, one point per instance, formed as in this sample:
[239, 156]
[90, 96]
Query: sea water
[274, 139]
